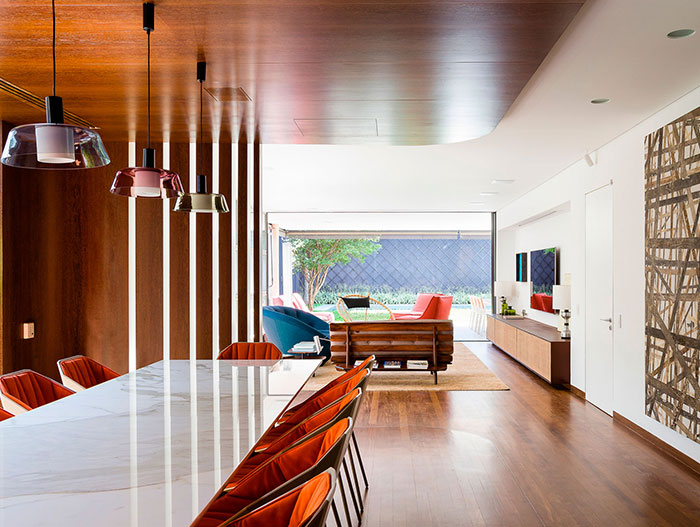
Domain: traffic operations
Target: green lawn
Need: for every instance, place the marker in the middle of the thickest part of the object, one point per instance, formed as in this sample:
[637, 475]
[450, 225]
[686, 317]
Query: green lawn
[359, 315]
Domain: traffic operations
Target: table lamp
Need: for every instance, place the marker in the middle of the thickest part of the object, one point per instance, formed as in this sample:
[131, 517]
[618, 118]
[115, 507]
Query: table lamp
[562, 301]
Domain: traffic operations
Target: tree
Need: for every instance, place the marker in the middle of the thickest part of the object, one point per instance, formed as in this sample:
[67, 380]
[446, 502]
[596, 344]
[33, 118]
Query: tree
[315, 257]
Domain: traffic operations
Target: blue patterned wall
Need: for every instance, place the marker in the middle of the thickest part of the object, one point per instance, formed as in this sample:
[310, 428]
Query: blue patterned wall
[441, 265]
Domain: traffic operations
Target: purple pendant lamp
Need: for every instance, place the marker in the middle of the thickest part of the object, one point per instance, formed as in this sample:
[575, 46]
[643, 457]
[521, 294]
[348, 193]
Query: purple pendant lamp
[54, 145]
[147, 181]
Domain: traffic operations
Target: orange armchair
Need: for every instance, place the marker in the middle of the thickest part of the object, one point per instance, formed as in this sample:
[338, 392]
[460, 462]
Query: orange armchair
[4, 414]
[250, 351]
[25, 390]
[80, 372]
[305, 506]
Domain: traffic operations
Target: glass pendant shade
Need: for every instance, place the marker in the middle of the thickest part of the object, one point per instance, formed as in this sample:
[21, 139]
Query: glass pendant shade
[53, 145]
[147, 181]
[201, 201]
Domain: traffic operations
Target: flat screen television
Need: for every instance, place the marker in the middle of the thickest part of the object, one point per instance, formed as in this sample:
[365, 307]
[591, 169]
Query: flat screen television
[521, 267]
[544, 275]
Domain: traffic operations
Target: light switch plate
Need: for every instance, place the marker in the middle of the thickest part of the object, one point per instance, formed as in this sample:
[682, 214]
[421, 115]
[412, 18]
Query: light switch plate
[28, 330]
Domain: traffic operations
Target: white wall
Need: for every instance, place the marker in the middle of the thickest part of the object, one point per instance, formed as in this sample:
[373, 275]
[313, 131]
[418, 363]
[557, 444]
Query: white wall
[621, 161]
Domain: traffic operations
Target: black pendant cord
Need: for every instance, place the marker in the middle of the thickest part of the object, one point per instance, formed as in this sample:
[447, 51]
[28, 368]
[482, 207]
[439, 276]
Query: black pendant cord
[148, 125]
[201, 125]
[53, 43]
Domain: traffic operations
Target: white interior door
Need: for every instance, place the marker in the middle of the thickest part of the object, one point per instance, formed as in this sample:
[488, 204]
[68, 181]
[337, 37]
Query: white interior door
[599, 299]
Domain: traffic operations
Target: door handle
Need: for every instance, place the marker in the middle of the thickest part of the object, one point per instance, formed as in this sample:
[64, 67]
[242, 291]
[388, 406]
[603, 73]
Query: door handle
[608, 320]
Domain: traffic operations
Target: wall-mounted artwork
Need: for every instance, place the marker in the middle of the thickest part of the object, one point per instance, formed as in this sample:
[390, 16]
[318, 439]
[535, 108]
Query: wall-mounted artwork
[521, 267]
[543, 275]
[672, 256]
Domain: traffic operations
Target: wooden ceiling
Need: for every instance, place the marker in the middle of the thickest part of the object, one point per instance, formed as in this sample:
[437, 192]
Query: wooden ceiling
[316, 71]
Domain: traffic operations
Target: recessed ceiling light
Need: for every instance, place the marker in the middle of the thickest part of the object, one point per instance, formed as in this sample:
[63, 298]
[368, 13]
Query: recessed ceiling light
[502, 181]
[681, 33]
[602, 100]
[488, 193]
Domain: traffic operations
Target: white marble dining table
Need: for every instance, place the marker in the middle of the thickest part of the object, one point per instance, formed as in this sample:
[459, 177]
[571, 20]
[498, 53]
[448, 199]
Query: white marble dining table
[149, 448]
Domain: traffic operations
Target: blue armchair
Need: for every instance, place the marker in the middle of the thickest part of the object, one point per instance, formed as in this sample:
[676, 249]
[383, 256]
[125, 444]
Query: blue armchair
[286, 326]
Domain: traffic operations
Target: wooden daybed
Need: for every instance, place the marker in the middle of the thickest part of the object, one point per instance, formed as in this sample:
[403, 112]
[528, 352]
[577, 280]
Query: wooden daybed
[396, 341]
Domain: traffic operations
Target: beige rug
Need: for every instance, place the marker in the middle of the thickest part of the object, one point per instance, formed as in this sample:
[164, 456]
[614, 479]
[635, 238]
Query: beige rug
[466, 373]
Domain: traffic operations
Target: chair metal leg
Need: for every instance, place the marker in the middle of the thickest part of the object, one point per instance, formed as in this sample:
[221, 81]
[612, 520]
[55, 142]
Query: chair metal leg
[357, 482]
[352, 492]
[336, 516]
[359, 459]
[344, 499]
[435, 378]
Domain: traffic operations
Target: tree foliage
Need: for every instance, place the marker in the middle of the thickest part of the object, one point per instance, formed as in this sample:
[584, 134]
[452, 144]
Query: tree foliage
[315, 257]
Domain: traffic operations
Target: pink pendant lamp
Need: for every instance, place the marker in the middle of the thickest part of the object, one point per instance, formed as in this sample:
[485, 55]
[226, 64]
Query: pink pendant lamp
[147, 181]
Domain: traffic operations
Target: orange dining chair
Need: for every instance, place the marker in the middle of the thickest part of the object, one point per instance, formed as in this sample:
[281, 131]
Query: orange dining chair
[346, 406]
[4, 414]
[285, 471]
[366, 364]
[307, 409]
[250, 351]
[305, 506]
[25, 390]
[80, 372]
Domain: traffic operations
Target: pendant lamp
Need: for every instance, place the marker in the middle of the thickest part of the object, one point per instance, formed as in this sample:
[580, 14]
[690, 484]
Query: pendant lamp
[147, 181]
[54, 145]
[201, 201]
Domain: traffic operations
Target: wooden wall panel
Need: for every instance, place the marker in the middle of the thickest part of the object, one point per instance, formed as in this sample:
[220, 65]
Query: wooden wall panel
[149, 274]
[225, 247]
[104, 318]
[64, 266]
[204, 269]
[257, 242]
[242, 225]
[179, 261]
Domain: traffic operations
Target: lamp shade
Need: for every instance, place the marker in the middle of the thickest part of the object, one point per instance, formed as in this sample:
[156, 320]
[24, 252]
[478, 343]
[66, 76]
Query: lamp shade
[561, 297]
[146, 182]
[204, 203]
[54, 146]
[503, 288]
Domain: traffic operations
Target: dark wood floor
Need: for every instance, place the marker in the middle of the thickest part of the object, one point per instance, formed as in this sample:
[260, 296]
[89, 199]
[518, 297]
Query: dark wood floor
[533, 455]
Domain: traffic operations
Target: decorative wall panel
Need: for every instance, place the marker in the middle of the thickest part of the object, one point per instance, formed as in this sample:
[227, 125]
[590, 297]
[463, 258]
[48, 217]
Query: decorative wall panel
[672, 247]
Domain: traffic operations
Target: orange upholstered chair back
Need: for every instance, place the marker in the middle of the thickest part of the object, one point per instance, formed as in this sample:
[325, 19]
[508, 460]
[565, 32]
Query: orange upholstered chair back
[313, 423]
[293, 509]
[444, 307]
[4, 414]
[250, 351]
[30, 389]
[422, 302]
[85, 371]
[310, 407]
[431, 309]
[277, 471]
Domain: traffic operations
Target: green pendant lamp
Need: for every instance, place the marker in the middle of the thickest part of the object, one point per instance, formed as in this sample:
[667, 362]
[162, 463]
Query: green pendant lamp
[201, 201]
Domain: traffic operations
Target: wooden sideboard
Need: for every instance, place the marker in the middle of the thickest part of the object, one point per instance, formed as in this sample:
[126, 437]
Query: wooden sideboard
[536, 346]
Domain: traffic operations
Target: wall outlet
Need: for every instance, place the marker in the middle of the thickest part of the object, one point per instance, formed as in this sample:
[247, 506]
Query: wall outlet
[28, 330]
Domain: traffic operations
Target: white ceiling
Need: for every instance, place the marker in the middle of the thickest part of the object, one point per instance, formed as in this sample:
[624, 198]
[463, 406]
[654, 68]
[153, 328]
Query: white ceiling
[465, 222]
[614, 48]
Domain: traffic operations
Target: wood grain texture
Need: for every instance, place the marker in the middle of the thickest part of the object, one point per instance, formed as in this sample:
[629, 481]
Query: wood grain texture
[180, 261]
[225, 246]
[672, 259]
[243, 237]
[149, 274]
[204, 270]
[530, 456]
[257, 255]
[395, 71]
[65, 259]
[535, 345]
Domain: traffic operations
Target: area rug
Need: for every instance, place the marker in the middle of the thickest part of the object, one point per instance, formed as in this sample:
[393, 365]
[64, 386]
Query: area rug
[466, 373]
